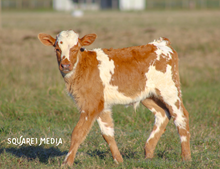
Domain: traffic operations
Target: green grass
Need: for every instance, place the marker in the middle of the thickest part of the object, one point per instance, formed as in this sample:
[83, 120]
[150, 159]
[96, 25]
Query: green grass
[34, 103]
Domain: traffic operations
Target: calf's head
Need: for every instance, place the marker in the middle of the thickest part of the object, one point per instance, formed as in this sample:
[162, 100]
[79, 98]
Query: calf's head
[67, 47]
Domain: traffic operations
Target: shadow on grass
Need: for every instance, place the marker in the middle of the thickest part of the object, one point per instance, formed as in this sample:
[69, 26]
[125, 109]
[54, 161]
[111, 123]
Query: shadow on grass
[106, 154]
[100, 154]
[33, 152]
[43, 154]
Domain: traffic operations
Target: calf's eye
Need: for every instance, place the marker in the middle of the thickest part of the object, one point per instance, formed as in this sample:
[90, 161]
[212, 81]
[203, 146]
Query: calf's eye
[57, 50]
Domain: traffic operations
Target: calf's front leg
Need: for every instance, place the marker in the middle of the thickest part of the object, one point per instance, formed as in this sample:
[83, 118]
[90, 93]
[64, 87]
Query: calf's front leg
[106, 125]
[78, 135]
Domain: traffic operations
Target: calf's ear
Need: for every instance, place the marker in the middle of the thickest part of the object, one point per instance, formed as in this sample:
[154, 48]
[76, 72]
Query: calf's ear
[46, 39]
[87, 39]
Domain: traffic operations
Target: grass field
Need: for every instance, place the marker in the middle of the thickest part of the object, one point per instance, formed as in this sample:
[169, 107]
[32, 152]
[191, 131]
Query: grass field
[34, 103]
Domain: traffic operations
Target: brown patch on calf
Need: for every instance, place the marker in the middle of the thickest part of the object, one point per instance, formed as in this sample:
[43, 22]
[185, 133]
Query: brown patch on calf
[177, 104]
[106, 117]
[175, 71]
[161, 64]
[131, 64]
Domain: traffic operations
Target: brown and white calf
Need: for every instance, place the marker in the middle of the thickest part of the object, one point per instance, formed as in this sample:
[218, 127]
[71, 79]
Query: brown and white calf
[100, 78]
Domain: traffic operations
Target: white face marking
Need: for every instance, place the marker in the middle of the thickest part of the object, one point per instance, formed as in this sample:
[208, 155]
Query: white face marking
[162, 48]
[183, 139]
[159, 120]
[108, 131]
[66, 40]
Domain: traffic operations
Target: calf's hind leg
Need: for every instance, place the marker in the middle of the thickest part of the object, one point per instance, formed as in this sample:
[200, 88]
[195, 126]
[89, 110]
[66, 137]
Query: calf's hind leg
[106, 125]
[162, 117]
[181, 120]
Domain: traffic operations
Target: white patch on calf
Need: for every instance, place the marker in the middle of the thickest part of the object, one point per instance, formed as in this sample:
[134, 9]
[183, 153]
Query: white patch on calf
[165, 84]
[159, 120]
[66, 40]
[108, 131]
[106, 69]
[111, 94]
[180, 120]
[115, 161]
[183, 139]
[67, 75]
[162, 48]
[68, 155]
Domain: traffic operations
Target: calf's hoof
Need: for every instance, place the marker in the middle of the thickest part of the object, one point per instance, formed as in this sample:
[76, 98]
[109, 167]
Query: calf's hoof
[118, 159]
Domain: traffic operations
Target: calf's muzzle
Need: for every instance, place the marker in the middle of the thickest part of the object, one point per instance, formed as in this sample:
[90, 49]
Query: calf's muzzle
[65, 67]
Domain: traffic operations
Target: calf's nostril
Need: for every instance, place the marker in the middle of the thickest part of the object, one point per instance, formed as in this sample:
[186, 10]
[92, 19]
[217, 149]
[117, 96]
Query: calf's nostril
[65, 66]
